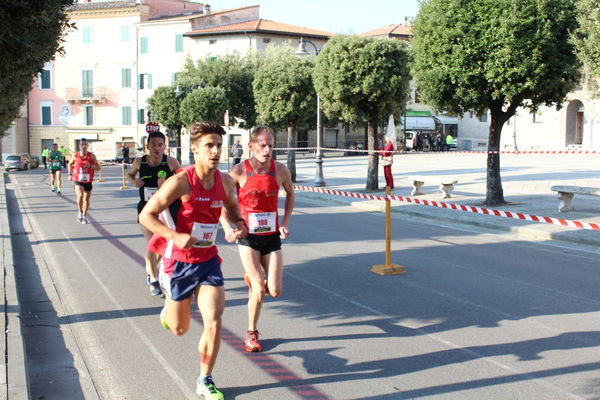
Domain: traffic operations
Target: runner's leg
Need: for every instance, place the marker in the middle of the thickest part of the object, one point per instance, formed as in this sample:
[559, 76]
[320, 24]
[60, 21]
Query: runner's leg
[150, 257]
[272, 264]
[211, 302]
[251, 262]
[178, 315]
[80, 193]
[86, 201]
[58, 180]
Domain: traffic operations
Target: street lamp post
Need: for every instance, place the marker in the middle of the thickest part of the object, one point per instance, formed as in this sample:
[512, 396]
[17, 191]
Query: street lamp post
[319, 178]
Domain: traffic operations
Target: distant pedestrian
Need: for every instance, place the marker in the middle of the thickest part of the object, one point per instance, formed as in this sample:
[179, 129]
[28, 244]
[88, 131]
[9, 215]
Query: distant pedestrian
[125, 152]
[45, 153]
[449, 141]
[236, 152]
[419, 141]
[387, 160]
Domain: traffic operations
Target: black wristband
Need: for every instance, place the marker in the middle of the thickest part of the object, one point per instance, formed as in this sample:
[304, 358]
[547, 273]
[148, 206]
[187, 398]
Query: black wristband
[241, 220]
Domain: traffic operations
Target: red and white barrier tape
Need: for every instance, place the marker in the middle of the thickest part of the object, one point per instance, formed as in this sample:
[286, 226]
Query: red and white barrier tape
[459, 207]
[447, 152]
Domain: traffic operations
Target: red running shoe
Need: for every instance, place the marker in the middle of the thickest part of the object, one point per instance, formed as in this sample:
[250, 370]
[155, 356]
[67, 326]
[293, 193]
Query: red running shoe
[251, 344]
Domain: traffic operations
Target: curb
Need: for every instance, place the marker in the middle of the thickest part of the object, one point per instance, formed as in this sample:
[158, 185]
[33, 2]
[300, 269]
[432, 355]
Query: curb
[14, 376]
[528, 229]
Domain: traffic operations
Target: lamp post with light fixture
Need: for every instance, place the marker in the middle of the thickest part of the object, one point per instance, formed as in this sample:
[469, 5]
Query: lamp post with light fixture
[319, 178]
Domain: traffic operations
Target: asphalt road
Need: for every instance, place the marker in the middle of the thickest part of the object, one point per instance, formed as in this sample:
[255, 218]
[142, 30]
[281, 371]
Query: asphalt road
[478, 315]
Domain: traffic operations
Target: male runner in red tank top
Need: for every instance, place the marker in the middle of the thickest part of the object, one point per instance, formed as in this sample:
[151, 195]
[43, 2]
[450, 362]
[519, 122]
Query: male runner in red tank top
[81, 171]
[259, 180]
[190, 262]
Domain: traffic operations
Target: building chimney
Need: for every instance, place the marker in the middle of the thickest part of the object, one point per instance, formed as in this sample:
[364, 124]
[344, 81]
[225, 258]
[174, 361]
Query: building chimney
[405, 21]
[207, 9]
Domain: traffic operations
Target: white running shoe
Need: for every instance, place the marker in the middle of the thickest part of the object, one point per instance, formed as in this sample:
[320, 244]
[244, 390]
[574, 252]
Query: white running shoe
[84, 220]
[80, 217]
[206, 387]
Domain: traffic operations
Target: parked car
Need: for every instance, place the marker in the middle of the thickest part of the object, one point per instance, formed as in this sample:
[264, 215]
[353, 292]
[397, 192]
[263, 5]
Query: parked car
[410, 140]
[21, 161]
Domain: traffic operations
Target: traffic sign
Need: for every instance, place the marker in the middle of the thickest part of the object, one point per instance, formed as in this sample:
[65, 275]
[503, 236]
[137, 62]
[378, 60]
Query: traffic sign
[152, 127]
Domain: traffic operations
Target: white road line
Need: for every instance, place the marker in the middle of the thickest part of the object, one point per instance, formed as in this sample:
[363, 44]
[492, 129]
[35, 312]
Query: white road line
[439, 339]
[165, 364]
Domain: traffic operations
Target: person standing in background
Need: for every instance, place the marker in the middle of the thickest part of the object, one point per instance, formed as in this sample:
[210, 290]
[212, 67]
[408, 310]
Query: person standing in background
[236, 152]
[45, 152]
[387, 160]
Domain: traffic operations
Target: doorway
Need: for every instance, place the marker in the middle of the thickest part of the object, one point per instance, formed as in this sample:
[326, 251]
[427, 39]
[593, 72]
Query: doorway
[575, 121]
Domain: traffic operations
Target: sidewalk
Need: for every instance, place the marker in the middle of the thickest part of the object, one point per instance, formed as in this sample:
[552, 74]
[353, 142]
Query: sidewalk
[526, 182]
[13, 379]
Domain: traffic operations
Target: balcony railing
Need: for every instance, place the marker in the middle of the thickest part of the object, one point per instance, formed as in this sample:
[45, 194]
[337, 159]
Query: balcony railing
[86, 95]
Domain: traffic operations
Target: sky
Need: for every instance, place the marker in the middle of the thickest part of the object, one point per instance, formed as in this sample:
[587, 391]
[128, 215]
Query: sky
[336, 16]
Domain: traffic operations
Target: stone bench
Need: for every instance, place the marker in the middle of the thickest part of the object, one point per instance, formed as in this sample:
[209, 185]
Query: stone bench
[566, 193]
[446, 184]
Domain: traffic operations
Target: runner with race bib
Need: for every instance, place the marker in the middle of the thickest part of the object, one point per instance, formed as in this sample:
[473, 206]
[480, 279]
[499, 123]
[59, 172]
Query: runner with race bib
[56, 164]
[81, 171]
[151, 170]
[259, 180]
[190, 264]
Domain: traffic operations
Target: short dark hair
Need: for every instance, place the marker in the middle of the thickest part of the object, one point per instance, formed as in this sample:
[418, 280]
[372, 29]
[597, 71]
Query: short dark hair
[199, 129]
[157, 134]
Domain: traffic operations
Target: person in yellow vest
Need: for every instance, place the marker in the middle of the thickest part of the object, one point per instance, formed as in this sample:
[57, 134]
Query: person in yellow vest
[45, 153]
[63, 151]
[449, 140]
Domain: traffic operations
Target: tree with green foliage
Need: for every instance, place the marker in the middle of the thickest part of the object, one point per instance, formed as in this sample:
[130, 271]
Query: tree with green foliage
[204, 104]
[497, 55]
[285, 95]
[31, 33]
[588, 41]
[164, 106]
[363, 80]
[231, 72]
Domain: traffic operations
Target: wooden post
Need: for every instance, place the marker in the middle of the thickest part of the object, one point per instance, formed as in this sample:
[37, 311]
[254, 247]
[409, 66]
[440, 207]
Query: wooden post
[388, 268]
[123, 175]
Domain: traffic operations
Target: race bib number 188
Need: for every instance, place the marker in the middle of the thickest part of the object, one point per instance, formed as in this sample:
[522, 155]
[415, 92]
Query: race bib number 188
[262, 222]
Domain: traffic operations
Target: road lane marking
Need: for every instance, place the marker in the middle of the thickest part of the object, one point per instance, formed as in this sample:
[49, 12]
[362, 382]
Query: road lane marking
[424, 332]
[163, 362]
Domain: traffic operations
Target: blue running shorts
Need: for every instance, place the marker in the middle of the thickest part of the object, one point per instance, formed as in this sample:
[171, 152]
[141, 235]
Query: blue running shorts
[179, 279]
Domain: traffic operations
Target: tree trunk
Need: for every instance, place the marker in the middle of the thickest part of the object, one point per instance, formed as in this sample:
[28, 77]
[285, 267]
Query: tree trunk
[372, 181]
[291, 154]
[494, 193]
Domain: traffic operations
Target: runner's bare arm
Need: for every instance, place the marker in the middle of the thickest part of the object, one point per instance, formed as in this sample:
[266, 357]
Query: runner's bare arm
[135, 168]
[70, 167]
[230, 214]
[173, 164]
[290, 200]
[95, 163]
[172, 190]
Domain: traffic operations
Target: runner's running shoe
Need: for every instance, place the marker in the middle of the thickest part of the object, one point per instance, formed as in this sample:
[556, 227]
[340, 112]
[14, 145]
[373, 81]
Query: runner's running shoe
[52, 188]
[84, 220]
[80, 217]
[251, 344]
[163, 318]
[155, 289]
[206, 387]
[58, 190]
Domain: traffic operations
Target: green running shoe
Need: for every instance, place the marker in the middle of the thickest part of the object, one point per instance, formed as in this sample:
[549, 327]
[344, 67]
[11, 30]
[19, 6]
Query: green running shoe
[163, 318]
[206, 387]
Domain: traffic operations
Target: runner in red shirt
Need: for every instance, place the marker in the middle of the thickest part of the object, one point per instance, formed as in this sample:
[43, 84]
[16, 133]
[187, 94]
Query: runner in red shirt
[259, 180]
[81, 171]
[190, 262]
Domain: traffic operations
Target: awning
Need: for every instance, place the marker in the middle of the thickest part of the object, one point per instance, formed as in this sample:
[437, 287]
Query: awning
[442, 119]
[420, 123]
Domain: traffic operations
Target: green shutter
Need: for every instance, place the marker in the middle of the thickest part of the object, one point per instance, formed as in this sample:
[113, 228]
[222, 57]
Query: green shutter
[87, 83]
[144, 45]
[139, 81]
[87, 34]
[45, 79]
[124, 33]
[46, 115]
[126, 115]
[126, 77]
[149, 83]
[141, 116]
[178, 43]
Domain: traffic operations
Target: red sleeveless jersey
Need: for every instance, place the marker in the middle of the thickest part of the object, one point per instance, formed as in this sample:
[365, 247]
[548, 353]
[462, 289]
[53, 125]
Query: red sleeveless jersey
[258, 200]
[199, 216]
[82, 169]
